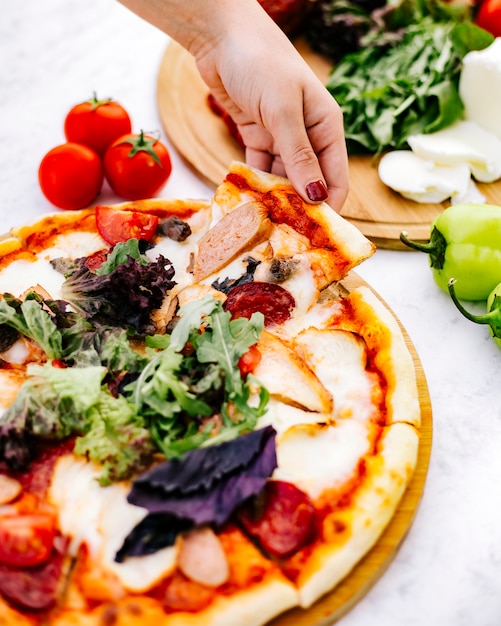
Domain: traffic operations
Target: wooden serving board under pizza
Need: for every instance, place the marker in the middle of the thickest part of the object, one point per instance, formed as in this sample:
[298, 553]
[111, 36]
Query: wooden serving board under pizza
[203, 140]
[366, 573]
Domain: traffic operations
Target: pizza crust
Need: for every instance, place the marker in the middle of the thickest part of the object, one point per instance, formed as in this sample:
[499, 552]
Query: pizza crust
[252, 607]
[339, 246]
[384, 337]
[349, 533]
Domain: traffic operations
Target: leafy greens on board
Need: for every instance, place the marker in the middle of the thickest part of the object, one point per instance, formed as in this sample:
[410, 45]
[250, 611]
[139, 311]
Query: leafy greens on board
[338, 27]
[124, 406]
[404, 80]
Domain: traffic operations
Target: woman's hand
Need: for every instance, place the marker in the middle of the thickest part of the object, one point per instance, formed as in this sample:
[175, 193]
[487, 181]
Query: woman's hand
[289, 122]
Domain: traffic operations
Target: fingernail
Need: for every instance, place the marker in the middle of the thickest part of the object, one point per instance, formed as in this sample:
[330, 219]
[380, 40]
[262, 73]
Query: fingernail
[317, 191]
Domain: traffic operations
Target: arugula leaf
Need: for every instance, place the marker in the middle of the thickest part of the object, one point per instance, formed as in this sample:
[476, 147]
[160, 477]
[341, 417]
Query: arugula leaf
[223, 342]
[160, 388]
[175, 392]
[32, 321]
[164, 399]
[227, 342]
[191, 315]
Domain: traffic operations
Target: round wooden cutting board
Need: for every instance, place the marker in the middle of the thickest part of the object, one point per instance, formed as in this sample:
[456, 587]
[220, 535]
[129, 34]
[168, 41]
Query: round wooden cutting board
[203, 140]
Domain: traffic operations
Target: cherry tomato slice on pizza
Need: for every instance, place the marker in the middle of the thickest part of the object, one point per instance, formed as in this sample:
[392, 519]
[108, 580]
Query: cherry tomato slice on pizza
[249, 361]
[97, 123]
[71, 176]
[137, 166]
[116, 225]
[26, 540]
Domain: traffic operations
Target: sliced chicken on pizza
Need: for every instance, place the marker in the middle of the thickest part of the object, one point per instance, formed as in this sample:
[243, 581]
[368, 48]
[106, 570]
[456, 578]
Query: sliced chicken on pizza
[332, 245]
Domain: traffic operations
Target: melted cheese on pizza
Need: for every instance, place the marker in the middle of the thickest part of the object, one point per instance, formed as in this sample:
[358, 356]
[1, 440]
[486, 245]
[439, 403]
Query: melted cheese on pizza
[101, 518]
[73, 245]
[283, 416]
[300, 283]
[339, 359]
[318, 457]
[20, 275]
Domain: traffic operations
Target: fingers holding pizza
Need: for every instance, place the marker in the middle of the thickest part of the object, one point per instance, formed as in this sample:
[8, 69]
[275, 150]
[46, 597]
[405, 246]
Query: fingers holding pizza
[204, 390]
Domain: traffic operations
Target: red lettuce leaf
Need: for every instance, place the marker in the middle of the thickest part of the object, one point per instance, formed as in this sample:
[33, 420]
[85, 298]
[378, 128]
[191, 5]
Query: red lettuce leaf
[125, 297]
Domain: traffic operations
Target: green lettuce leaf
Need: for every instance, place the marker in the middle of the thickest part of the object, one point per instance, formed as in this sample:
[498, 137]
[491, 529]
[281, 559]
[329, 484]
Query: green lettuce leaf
[32, 321]
[116, 438]
[80, 385]
[119, 255]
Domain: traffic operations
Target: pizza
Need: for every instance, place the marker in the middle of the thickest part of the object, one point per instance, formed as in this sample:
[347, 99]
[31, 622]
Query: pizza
[199, 424]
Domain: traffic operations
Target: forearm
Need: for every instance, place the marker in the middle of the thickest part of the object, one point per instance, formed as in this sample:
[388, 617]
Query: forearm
[289, 122]
[197, 24]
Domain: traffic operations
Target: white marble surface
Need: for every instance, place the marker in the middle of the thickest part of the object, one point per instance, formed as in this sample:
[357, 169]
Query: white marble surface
[55, 53]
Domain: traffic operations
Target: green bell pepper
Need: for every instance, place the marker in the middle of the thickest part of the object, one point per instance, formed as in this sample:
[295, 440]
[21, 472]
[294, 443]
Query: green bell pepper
[465, 244]
[493, 315]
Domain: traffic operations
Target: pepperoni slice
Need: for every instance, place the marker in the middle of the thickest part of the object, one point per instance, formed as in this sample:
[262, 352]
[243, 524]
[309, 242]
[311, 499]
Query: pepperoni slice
[34, 588]
[273, 301]
[282, 518]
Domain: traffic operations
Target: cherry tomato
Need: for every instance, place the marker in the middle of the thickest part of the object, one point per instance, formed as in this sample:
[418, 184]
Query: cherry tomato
[489, 17]
[137, 166]
[288, 14]
[229, 122]
[249, 361]
[26, 540]
[71, 176]
[97, 123]
[116, 225]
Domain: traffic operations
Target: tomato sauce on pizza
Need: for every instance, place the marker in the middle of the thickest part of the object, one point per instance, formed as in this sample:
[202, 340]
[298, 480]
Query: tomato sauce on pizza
[196, 417]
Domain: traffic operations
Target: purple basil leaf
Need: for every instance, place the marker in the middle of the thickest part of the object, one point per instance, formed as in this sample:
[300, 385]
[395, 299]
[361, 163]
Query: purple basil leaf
[239, 469]
[199, 469]
[152, 533]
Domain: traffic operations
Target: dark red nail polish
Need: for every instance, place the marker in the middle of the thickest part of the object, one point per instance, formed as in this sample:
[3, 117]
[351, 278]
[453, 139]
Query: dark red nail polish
[317, 191]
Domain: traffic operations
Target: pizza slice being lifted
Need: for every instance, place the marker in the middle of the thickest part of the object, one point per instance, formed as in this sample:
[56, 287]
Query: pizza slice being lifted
[198, 424]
